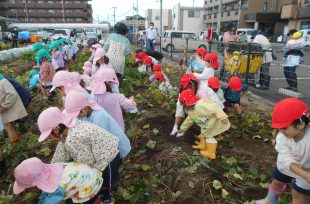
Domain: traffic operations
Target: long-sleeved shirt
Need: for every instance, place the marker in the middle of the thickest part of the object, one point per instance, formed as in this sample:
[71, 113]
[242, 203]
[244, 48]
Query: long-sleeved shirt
[57, 56]
[207, 116]
[291, 152]
[113, 104]
[206, 74]
[102, 119]
[89, 144]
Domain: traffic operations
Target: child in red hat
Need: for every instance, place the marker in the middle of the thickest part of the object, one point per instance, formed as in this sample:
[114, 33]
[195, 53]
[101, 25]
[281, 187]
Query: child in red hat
[189, 81]
[208, 116]
[164, 86]
[149, 63]
[232, 94]
[291, 117]
[215, 85]
[156, 69]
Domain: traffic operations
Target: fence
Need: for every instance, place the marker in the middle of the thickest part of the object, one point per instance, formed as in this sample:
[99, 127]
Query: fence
[270, 81]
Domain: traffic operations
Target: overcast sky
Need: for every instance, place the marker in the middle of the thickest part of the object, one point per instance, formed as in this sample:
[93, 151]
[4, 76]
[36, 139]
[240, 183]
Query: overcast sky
[103, 8]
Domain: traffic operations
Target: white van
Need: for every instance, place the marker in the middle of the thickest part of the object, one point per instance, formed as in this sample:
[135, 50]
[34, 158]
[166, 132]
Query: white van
[306, 36]
[246, 31]
[179, 41]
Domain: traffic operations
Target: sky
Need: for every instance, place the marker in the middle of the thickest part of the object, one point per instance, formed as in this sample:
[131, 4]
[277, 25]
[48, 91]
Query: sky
[102, 9]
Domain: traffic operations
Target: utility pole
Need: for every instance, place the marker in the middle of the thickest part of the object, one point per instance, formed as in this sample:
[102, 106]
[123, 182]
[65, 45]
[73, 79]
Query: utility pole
[26, 10]
[137, 16]
[239, 13]
[114, 12]
[161, 18]
[219, 15]
[193, 3]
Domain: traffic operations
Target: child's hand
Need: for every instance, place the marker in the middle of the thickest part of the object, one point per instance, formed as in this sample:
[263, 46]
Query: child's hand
[180, 134]
[225, 121]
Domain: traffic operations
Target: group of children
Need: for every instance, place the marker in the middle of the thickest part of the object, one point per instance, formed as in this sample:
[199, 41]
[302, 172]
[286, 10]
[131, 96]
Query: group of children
[90, 130]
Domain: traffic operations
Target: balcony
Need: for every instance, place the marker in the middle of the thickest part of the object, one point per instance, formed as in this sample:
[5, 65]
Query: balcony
[303, 12]
[262, 17]
[289, 11]
[57, 5]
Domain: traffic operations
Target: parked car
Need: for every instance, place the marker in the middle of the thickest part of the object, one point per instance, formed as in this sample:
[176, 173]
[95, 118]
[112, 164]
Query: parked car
[63, 33]
[247, 32]
[179, 41]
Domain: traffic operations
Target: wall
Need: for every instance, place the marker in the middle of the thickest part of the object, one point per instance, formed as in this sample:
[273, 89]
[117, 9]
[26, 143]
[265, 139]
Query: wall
[193, 24]
[151, 15]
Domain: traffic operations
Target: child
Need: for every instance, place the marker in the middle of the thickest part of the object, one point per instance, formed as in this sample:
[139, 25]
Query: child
[112, 102]
[57, 181]
[34, 76]
[165, 86]
[47, 72]
[200, 55]
[78, 141]
[208, 70]
[66, 51]
[149, 63]
[156, 69]
[210, 117]
[74, 49]
[104, 75]
[232, 94]
[214, 84]
[57, 56]
[140, 60]
[291, 117]
[189, 81]
[100, 61]
[11, 109]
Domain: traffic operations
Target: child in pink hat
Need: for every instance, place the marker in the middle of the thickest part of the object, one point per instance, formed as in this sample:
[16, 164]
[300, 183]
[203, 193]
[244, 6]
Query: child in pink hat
[56, 181]
[90, 111]
[102, 91]
[65, 82]
[100, 61]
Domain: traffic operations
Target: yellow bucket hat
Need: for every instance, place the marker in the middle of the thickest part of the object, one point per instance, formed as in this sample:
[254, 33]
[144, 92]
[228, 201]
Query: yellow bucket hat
[236, 57]
[236, 53]
[297, 35]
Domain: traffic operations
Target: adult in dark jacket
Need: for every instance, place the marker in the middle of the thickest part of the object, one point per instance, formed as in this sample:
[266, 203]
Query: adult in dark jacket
[23, 93]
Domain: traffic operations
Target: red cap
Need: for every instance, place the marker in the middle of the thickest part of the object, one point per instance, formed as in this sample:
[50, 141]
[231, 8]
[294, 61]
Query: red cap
[148, 61]
[235, 84]
[188, 96]
[160, 75]
[287, 111]
[213, 58]
[186, 78]
[156, 67]
[201, 51]
[214, 82]
[141, 56]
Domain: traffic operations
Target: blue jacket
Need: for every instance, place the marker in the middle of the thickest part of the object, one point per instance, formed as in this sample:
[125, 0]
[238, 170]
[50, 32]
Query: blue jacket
[22, 92]
[229, 95]
[34, 81]
[102, 119]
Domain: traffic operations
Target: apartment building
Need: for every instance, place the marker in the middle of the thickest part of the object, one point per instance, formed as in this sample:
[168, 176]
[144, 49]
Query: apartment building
[47, 11]
[296, 13]
[135, 22]
[264, 15]
[188, 18]
[153, 15]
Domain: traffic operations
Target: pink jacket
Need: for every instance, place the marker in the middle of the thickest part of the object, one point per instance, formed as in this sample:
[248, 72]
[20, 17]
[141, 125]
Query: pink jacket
[113, 104]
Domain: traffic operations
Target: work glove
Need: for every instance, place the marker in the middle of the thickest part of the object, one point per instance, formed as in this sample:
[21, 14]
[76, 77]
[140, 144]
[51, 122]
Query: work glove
[180, 134]
[174, 130]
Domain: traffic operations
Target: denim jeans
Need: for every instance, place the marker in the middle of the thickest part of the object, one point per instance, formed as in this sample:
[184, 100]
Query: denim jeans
[150, 45]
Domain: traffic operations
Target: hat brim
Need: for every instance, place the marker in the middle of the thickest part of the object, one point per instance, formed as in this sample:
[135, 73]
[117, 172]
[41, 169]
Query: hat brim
[17, 189]
[281, 125]
[50, 184]
[70, 118]
[217, 86]
[45, 134]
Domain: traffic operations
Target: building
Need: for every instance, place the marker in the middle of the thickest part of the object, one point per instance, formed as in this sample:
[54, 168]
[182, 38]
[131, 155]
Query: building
[188, 18]
[296, 13]
[47, 11]
[153, 15]
[264, 15]
[134, 22]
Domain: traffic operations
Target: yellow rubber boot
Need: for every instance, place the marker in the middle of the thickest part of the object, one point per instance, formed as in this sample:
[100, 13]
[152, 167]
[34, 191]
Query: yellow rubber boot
[201, 145]
[209, 150]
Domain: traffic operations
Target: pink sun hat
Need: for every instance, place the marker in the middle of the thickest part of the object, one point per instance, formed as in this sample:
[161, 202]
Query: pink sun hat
[49, 119]
[69, 80]
[33, 172]
[98, 54]
[74, 106]
[87, 68]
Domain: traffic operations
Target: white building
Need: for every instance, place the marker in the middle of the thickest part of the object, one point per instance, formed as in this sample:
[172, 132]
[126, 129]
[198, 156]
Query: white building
[188, 18]
[153, 15]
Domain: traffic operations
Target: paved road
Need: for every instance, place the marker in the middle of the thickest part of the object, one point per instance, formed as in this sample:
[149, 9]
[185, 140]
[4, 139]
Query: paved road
[278, 80]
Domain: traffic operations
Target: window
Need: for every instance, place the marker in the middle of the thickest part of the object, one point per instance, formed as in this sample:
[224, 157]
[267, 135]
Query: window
[265, 8]
[79, 19]
[307, 1]
[215, 15]
[204, 17]
[176, 35]
[244, 4]
[174, 15]
[305, 25]
[236, 12]
[209, 16]
[222, 14]
[157, 18]
[193, 14]
[228, 13]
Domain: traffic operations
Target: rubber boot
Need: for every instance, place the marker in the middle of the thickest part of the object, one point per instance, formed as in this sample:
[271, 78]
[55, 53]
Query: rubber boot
[210, 149]
[272, 196]
[201, 144]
